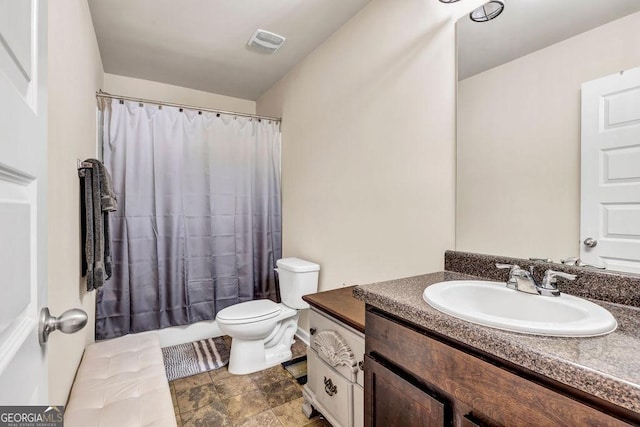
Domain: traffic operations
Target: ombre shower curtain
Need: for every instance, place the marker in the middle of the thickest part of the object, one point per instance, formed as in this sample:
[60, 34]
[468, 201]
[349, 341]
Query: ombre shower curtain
[199, 222]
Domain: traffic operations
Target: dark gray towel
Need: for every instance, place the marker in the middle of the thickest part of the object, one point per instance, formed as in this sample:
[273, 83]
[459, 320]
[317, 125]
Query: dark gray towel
[107, 196]
[87, 212]
[99, 200]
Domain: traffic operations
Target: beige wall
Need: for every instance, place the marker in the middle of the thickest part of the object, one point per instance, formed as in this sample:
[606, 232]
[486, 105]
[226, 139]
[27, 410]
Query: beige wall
[368, 145]
[146, 89]
[518, 183]
[75, 73]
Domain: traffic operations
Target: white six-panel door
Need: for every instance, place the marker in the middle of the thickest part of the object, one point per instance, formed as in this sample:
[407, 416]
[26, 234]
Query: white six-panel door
[610, 202]
[23, 127]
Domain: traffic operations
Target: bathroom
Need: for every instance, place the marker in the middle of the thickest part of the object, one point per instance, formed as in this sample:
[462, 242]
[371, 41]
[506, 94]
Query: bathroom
[378, 179]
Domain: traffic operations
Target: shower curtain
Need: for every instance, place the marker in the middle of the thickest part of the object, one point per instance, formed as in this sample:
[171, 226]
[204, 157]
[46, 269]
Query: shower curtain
[199, 222]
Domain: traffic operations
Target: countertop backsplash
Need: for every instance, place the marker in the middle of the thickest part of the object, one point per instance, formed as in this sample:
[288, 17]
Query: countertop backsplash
[615, 287]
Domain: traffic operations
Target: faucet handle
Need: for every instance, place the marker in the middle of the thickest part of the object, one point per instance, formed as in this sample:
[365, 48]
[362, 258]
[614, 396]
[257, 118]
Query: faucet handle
[577, 262]
[540, 259]
[550, 278]
[515, 270]
[571, 261]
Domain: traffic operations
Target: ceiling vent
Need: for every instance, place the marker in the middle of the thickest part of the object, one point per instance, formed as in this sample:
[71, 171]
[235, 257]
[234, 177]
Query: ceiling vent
[265, 41]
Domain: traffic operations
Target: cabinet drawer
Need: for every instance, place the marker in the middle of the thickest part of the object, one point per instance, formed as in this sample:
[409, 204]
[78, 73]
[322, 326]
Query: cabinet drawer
[332, 391]
[328, 333]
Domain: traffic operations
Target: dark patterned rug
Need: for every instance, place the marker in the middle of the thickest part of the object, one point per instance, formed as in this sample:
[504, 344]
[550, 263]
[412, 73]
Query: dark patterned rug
[184, 360]
[298, 368]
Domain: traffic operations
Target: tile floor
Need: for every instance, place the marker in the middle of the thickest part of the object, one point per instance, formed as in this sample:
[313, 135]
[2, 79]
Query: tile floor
[269, 398]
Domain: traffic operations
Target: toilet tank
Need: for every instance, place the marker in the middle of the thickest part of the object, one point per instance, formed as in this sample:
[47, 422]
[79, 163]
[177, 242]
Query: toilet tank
[297, 278]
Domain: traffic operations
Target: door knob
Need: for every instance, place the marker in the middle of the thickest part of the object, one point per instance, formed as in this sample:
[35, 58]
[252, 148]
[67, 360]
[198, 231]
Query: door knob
[69, 322]
[590, 242]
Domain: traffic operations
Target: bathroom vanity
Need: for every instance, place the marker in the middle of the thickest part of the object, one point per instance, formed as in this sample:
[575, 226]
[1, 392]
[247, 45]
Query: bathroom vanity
[424, 367]
[335, 359]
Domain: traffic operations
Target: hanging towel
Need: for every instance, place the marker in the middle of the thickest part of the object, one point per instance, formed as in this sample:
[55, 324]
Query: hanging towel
[98, 200]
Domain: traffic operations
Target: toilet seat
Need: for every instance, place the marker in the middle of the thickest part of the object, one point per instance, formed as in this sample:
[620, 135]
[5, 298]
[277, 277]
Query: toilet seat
[249, 312]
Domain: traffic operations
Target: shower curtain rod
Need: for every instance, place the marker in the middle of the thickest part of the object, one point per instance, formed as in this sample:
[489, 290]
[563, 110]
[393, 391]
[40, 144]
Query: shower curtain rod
[101, 94]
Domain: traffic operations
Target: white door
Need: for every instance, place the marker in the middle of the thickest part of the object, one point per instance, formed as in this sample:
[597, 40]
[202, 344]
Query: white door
[23, 129]
[610, 206]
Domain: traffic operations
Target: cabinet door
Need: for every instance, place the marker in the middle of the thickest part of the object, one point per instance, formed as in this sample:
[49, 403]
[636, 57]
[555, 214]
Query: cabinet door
[390, 400]
[493, 395]
[332, 392]
[358, 406]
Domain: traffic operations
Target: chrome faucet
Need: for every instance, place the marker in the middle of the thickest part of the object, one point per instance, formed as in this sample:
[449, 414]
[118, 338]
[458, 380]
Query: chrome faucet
[523, 280]
[520, 279]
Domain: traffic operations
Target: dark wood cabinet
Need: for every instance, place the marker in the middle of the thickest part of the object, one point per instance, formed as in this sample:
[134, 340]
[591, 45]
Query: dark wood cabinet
[394, 401]
[470, 421]
[415, 378]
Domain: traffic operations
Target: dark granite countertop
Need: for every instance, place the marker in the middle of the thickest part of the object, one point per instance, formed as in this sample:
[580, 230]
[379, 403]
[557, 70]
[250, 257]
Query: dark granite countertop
[340, 304]
[607, 367]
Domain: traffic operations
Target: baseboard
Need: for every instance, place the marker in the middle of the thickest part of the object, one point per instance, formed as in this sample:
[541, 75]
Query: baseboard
[303, 336]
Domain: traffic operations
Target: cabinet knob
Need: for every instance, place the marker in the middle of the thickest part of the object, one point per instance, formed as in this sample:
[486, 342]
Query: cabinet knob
[329, 387]
[312, 331]
[361, 365]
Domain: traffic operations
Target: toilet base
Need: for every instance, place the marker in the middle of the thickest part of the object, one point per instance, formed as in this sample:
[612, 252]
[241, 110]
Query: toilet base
[248, 356]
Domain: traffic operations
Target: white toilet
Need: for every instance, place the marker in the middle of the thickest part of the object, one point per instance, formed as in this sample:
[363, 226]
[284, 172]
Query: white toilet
[262, 331]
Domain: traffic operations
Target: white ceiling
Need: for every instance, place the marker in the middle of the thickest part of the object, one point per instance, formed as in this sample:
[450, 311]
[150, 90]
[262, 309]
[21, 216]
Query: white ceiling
[526, 26]
[201, 44]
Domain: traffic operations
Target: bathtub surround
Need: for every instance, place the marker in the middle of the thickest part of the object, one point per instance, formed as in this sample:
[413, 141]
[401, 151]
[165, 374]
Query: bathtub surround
[198, 227]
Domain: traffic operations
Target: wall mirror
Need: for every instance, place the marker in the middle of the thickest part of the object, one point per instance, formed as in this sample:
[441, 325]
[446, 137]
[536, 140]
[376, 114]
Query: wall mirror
[519, 121]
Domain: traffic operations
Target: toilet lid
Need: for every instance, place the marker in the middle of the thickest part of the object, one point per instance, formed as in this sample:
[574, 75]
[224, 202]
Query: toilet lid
[250, 311]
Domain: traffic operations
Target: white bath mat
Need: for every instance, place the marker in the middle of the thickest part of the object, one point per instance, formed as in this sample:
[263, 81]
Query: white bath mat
[184, 360]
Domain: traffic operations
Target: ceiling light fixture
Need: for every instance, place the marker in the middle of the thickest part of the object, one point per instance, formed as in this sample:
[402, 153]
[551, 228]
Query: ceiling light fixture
[449, 1]
[487, 11]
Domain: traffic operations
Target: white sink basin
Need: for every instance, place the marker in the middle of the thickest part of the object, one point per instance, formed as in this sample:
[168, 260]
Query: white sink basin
[493, 304]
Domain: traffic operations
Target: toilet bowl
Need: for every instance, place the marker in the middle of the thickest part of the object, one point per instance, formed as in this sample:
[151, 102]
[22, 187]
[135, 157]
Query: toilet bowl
[261, 330]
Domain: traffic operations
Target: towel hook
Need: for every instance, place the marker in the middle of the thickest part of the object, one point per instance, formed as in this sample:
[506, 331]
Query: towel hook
[82, 166]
